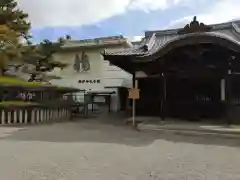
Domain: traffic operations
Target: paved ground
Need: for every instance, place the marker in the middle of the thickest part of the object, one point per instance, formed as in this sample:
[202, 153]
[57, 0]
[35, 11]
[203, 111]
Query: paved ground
[107, 150]
[192, 128]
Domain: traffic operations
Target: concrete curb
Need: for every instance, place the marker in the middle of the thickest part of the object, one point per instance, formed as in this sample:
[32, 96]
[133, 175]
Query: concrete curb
[194, 132]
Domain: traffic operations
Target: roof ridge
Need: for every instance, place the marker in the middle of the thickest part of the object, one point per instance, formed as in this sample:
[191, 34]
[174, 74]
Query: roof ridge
[98, 38]
[218, 26]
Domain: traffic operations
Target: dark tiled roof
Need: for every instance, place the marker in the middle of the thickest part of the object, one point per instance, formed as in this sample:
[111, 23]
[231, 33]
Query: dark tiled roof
[136, 50]
[155, 40]
[135, 43]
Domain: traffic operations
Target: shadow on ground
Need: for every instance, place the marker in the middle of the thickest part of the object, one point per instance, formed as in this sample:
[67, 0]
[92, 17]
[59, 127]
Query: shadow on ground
[105, 129]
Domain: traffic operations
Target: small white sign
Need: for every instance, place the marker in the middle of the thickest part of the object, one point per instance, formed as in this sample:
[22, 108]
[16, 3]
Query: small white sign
[89, 81]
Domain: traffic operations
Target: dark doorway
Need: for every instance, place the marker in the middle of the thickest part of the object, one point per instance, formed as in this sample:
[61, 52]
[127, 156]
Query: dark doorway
[149, 103]
[191, 98]
[192, 75]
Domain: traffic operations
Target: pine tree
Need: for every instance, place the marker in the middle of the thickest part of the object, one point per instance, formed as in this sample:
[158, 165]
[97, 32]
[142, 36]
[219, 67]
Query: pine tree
[13, 28]
[43, 59]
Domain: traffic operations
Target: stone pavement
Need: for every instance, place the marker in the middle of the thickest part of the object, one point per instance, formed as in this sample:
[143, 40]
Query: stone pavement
[105, 149]
[186, 127]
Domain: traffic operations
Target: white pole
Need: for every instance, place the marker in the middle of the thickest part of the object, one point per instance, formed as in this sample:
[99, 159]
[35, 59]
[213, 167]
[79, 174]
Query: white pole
[134, 106]
[223, 89]
[133, 112]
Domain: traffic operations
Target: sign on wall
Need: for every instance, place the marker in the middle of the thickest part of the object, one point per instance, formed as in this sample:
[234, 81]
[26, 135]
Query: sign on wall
[81, 64]
[89, 81]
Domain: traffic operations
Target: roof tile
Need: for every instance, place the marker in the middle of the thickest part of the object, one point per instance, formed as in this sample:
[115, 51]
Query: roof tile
[155, 40]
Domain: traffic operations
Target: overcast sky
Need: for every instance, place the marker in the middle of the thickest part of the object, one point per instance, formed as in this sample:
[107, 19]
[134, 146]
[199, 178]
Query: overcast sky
[93, 18]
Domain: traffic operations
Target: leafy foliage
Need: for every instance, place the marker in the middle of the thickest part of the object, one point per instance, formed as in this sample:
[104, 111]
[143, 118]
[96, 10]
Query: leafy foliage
[42, 59]
[13, 28]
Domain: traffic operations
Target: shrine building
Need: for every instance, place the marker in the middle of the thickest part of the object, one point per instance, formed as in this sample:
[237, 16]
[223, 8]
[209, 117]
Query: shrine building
[190, 73]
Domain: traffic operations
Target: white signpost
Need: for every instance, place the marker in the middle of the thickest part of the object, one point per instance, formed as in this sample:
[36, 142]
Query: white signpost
[134, 95]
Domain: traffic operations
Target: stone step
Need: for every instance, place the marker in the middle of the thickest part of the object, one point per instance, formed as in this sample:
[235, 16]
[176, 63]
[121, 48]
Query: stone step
[207, 130]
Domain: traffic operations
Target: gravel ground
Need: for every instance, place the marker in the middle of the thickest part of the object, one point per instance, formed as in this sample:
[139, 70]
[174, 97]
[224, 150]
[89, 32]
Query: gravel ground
[103, 150]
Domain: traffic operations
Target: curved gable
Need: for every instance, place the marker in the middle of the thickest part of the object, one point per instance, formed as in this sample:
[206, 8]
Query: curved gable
[198, 38]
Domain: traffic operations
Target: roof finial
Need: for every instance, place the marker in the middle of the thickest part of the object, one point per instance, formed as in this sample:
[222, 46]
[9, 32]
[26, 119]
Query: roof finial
[194, 18]
[194, 27]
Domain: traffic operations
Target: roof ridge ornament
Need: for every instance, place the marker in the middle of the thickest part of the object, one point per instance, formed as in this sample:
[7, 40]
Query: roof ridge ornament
[194, 27]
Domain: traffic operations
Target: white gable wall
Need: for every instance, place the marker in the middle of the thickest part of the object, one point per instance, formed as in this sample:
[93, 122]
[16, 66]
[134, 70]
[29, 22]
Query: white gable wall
[71, 77]
[109, 76]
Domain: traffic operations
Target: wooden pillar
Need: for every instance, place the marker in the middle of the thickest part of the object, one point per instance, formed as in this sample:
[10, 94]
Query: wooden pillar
[135, 85]
[164, 97]
[229, 93]
[229, 103]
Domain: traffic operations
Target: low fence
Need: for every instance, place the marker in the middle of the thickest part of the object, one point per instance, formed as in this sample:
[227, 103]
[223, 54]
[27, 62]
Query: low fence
[33, 114]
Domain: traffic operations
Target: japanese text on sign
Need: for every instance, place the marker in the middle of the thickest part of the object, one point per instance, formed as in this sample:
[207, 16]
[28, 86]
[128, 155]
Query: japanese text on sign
[95, 81]
[133, 93]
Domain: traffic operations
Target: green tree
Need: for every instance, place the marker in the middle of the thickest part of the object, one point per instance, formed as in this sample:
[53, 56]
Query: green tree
[43, 60]
[14, 27]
